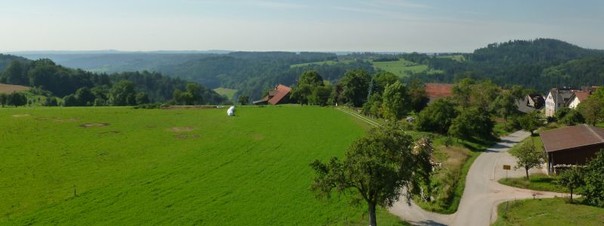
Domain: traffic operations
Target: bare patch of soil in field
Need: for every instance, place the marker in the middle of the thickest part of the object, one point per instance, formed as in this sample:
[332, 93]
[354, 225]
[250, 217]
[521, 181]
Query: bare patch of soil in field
[94, 124]
[183, 132]
[186, 136]
[66, 120]
[182, 129]
[257, 137]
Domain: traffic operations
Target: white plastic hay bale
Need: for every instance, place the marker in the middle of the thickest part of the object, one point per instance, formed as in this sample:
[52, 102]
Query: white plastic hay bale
[231, 111]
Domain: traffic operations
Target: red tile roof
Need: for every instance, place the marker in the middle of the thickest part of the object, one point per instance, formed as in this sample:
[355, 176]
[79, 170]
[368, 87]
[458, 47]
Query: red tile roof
[571, 137]
[582, 95]
[279, 93]
[439, 90]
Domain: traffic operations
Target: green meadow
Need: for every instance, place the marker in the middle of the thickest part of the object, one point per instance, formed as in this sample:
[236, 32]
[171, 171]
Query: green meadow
[403, 68]
[229, 93]
[123, 166]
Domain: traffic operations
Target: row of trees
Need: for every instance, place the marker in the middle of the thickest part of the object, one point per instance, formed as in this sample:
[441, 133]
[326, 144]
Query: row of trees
[81, 88]
[382, 95]
[13, 99]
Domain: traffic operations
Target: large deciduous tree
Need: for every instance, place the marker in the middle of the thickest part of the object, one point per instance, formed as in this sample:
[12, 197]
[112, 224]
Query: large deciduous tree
[437, 116]
[395, 103]
[530, 121]
[505, 105]
[527, 157]
[378, 168]
[472, 123]
[355, 87]
[310, 89]
[417, 95]
[593, 191]
[122, 93]
[592, 109]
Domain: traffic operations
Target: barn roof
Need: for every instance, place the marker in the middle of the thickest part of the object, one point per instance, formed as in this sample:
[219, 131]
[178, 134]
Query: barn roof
[581, 95]
[571, 137]
[438, 90]
[278, 94]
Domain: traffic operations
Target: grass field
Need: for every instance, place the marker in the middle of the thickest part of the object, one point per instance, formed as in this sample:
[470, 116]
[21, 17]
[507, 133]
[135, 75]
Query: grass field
[229, 93]
[327, 62]
[403, 68]
[539, 182]
[548, 212]
[120, 166]
[7, 88]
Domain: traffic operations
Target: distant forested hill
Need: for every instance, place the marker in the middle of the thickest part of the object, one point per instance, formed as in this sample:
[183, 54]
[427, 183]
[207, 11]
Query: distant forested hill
[539, 64]
[251, 73]
[59, 81]
[528, 63]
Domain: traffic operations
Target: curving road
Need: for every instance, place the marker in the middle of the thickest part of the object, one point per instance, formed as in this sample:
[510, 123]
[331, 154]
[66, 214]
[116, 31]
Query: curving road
[482, 192]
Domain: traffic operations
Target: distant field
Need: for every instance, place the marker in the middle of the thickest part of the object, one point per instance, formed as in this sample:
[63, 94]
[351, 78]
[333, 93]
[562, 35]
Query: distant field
[458, 58]
[120, 166]
[6, 88]
[229, 93]
[403, 68]
[327, 62]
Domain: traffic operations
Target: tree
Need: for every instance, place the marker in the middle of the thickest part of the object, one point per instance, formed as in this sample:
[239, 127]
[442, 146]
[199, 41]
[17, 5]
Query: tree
[16, 99]
[84, 97]
[593, 191]
[70, 100]
[381, 80]
[373, 106]
[15, 73]
[437, 116]
[378, 168]
[3, 99]
[142, 98]
[571, 178]
[122, 93]
[395, 101]
[311, 78]
[306, 89]
[192, 94]
[527, 157]
[592, 109]
[417, 95]
[530, 121]
[320, 95]
[505, 105]
[472, 123]
[355, 87]
[244, 99]
[572, 117]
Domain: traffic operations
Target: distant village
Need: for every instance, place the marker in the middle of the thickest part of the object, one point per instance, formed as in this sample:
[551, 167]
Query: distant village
[564, 147]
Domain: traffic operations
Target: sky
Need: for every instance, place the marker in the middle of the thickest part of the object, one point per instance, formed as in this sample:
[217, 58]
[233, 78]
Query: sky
[289, 25]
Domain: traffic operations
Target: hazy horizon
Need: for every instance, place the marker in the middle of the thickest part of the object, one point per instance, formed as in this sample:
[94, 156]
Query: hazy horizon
[268, 25]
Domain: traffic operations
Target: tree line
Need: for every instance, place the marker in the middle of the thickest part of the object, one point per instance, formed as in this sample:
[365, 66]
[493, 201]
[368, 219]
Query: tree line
[75, 87]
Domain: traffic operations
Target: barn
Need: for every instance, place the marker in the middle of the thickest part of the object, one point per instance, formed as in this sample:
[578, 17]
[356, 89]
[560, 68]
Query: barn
[279, 95]
[573, 145]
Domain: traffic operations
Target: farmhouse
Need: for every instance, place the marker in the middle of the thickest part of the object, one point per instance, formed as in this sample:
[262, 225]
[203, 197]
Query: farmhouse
[530, 103]
[436, 91]
[573, 145]
[566, 98]
[279, 95]
[578, 97]
[556, 99]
